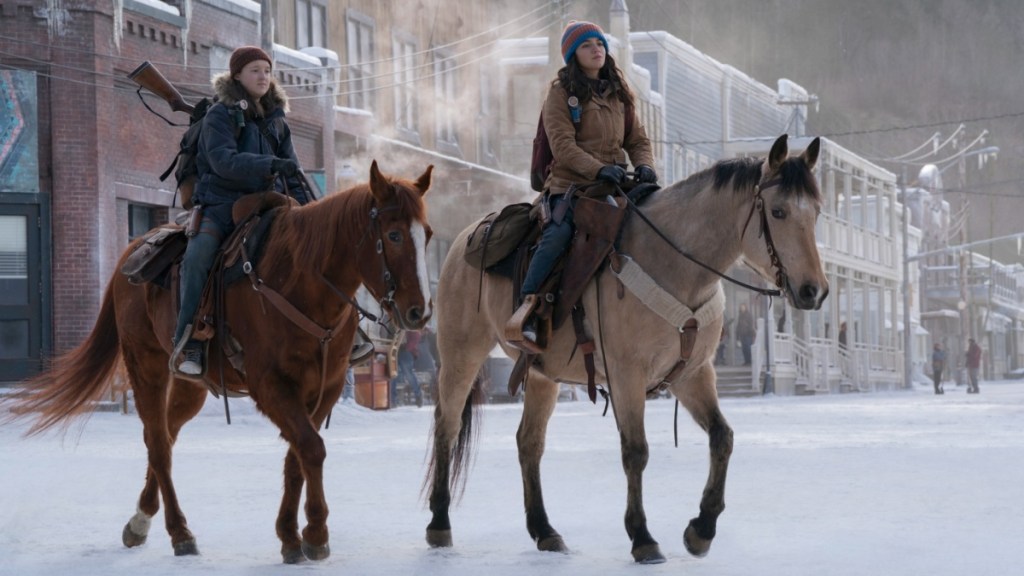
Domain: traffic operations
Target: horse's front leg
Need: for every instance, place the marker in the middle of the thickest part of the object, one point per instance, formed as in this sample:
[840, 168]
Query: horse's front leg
[629, 416]
[304, 462]
[539, 403]
[287, 525]
[701, 400]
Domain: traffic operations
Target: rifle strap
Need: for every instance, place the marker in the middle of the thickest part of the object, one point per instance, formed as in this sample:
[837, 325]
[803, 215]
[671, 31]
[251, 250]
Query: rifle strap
[162, 117]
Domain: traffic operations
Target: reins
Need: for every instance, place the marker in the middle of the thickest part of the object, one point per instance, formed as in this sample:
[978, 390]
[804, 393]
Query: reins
[757, 204]
[297, 317]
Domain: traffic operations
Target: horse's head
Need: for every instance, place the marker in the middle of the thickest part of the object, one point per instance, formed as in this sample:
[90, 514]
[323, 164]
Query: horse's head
[786, 206]
[397, 278]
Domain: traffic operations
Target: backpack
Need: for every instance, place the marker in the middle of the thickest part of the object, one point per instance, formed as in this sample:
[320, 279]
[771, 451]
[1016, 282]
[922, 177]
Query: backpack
[540, 162]
[188, 148]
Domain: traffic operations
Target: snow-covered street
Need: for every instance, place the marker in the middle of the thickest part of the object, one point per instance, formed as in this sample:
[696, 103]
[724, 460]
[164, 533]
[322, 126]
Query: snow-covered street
[897, 483]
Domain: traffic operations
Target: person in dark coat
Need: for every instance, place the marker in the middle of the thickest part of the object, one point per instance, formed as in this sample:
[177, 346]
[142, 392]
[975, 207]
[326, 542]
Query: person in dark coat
[746, 332]
[973, 366]
[938, 366]
[584, 119]
[408, 353]
[243, 149]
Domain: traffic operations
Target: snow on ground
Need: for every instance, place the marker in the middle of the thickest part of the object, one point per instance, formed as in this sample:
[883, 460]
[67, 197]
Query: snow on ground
[897, 483]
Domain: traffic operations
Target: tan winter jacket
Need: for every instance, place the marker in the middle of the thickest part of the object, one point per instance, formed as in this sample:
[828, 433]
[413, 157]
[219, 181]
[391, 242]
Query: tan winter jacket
[578, 156]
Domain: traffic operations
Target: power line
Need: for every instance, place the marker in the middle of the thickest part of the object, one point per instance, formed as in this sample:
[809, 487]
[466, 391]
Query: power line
[483, 56]
[428, 51]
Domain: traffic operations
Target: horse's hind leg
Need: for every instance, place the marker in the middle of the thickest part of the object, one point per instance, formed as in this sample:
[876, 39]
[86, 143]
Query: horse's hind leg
[460, 363]
[701, 401]
[541, 394]
[162, 417]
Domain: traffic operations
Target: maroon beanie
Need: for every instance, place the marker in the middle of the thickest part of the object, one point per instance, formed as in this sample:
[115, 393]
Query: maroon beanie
[244, 55]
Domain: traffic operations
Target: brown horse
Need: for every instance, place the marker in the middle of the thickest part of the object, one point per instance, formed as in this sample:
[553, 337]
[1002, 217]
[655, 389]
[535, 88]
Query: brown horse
[640, 328]
[316, 257]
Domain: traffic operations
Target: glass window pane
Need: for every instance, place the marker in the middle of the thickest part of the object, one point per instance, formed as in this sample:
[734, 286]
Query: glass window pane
[13, 260]
[13, 339]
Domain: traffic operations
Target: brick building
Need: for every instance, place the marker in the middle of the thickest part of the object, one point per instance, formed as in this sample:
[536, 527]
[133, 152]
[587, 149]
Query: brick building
[71, 116]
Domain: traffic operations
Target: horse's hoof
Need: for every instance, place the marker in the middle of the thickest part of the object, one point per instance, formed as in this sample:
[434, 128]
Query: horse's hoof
[186, 548]
[316, 552]
[552, 544]
[131, 538]
[439, 538]
[694, 543]
[292, 555]
[136, 530]
[648, 554]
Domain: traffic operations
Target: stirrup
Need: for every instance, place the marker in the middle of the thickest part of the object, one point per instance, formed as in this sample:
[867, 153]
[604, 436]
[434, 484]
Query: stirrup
[362, 349]
[514, 328]
[179, 348]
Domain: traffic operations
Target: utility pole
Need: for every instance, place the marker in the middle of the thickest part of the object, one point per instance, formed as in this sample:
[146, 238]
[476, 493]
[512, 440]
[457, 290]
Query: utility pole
[963, 306]
[908, 339]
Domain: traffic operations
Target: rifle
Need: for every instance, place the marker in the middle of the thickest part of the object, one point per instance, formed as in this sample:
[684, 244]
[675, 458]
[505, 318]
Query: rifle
[148, 77]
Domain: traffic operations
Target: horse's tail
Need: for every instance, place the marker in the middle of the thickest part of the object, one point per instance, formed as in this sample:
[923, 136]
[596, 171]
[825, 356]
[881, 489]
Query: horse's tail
[461, 452]
[75, 380]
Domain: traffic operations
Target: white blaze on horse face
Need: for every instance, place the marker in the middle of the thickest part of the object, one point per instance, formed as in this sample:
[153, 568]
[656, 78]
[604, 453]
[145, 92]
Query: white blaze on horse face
[419, 238]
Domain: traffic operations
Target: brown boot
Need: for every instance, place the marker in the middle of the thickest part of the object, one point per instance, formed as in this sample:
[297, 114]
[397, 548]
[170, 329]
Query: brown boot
[521, 330]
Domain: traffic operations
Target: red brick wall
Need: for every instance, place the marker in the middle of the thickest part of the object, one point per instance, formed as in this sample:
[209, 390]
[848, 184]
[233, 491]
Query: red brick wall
[99, 148]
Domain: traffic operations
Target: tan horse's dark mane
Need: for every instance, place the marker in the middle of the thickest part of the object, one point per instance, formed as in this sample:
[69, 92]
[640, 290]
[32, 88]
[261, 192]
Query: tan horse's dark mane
[745, 173]
[311, 234]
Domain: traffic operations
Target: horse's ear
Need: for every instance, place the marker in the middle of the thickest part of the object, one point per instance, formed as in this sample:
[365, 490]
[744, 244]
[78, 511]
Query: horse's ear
[780, 150]
[810, 155]
[379, 185]
[423, 183]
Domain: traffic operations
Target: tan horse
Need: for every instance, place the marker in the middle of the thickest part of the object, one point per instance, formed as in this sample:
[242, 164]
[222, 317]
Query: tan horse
[638, 342]
[316, 257]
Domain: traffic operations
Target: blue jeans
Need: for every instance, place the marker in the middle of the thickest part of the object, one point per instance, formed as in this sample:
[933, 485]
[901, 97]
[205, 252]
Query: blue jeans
[195, 269]
[553, 241]
[405, 372]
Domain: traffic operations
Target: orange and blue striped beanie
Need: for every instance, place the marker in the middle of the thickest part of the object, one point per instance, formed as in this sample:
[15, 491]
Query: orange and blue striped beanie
[578, 32]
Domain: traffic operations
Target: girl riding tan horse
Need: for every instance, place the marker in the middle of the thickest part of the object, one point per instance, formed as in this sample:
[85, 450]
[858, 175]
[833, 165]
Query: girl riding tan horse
[655, 317]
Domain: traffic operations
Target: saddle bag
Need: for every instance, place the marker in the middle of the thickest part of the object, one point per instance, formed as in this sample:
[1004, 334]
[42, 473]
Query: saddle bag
[154, 254]
[498, 235]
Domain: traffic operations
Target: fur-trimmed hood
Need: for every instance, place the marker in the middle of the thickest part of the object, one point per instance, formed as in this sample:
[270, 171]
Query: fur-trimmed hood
[230, 92]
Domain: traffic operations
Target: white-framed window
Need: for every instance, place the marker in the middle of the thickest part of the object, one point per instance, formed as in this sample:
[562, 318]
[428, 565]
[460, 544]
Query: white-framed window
[447, 107]
[406, 104]
[359, 29]
[485, 123]
[310, 23]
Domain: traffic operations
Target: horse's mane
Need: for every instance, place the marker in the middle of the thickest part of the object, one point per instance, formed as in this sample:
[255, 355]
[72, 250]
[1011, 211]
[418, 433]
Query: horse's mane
[745, 173]
[312, 234]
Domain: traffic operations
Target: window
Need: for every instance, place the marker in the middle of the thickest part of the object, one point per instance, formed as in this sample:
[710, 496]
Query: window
[484, 124]
[359, 29]
[140, 220]
[310, 23]
[444, 93]
[406, 113]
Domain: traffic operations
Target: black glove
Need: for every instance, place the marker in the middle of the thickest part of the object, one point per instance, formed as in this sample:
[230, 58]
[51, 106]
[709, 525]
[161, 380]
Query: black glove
[612, 173]
[645, 173]
[285, 166]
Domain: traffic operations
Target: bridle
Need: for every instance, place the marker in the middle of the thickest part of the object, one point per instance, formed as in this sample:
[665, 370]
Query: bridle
[387, 302]
[758, 204]
[781, 278]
